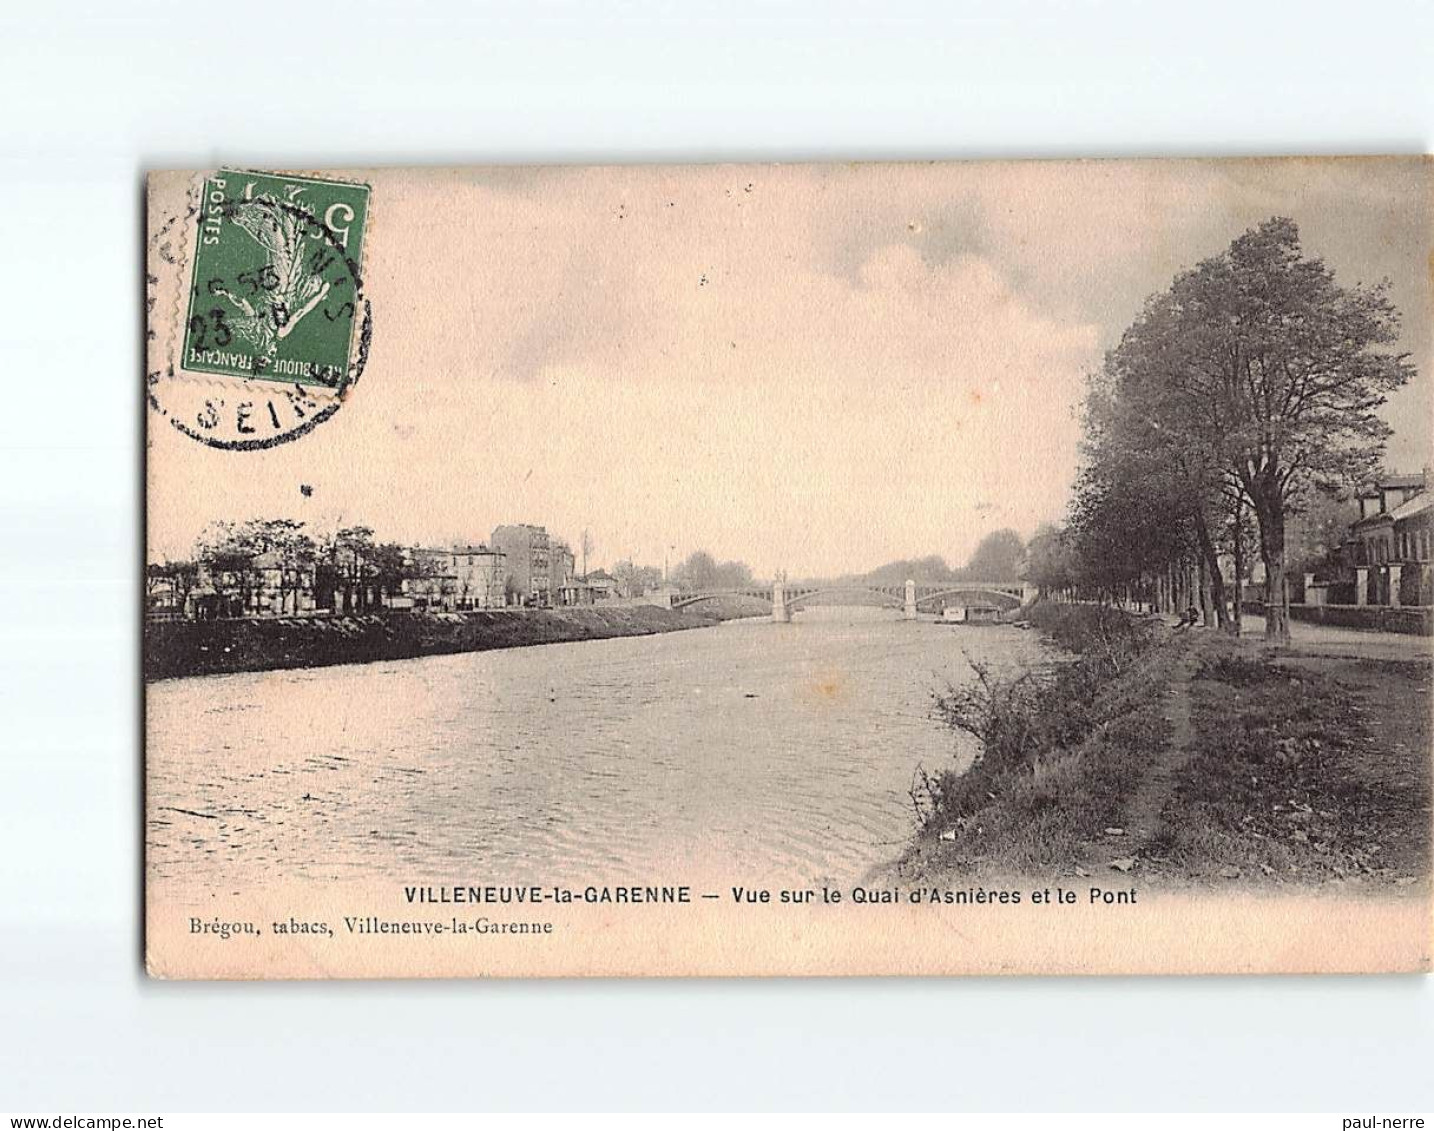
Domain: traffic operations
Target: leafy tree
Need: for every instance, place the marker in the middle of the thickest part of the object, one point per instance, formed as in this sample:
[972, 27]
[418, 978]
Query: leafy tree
[1318, 528]
[999, 557]
[701, 571]
[697, 572]
[228, 552]
[284, 547]
[180, 576]
[1050, 564]
[930, 570]
[1135, 438]
[635, 580]
[390, 565]
[1122, 531]
[734, 575]
[1277, 372]
[350, 568]
[237, 555]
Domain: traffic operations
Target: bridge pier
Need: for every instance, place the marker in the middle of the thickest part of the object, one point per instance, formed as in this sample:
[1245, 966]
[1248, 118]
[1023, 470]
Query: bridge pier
[780, 613]
[908, 612]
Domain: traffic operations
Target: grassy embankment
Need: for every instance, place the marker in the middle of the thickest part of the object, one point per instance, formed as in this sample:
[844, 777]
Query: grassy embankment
[207, 648]
[1184, 757]
[1060, 750]
[1303, 769]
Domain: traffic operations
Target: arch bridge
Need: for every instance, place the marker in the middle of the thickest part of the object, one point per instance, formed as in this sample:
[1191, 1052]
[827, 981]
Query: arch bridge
[787, 598]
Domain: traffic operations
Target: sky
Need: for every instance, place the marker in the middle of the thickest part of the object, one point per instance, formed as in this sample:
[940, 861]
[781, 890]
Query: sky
[815, 369]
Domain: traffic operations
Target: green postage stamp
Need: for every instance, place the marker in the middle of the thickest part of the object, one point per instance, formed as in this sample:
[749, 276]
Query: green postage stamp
[276, 292]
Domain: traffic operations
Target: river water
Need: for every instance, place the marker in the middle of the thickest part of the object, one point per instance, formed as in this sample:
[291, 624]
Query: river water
[753, 749]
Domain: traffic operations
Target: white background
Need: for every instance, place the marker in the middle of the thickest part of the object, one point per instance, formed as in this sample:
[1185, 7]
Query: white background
[94, 94]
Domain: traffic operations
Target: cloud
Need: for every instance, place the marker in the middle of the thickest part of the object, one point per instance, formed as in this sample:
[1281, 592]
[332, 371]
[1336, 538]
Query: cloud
[811, 368]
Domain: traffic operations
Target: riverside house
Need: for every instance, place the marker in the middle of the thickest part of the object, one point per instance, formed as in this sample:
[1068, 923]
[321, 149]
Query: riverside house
[562, 566]
[600, 586]
[431, 583]
[464, 577]
[481, 572]
[271, 585]
[527, 563]
[1389, 547]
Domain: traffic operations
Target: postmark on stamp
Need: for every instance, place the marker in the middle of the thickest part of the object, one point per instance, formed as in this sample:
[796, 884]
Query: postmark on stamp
[273, 325]
[275, 276]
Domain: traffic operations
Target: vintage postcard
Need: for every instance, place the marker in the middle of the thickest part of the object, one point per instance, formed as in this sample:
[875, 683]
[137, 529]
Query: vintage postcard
[868, 569]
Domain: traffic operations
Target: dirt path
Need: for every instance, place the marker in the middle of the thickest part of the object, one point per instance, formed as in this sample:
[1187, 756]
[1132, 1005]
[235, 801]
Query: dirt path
[1142, 816]
[1126, 846]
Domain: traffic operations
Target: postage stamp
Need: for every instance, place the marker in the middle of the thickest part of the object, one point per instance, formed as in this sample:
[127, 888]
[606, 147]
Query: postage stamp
[258, 324]
[276, 278]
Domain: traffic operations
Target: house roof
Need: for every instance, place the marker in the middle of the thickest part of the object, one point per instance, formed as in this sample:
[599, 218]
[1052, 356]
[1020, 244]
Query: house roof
[1393, 483]
[1417, 505]
[1378, 518]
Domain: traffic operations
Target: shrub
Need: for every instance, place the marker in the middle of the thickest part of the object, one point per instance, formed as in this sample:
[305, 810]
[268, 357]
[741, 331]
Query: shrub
[1026, 726]
[1110, 640]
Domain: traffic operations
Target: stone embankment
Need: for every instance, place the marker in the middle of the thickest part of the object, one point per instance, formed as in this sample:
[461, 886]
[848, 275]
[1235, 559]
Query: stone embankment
[186, 648]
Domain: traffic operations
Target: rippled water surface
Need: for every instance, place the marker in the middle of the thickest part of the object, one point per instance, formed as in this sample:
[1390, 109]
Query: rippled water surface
[761, 750]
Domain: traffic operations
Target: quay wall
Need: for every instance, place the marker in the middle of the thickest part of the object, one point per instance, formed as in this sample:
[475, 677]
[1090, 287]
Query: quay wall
[186, 648]
[1415, 620]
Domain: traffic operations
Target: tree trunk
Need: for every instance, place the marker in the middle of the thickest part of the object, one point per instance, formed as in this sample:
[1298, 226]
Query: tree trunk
[1239, 562]
[1207, 599]
[1271, 514]
[1212, 584]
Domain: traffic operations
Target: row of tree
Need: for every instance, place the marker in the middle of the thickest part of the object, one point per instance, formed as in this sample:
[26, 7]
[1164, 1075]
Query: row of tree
[351, 571]
[700, 571]
[1000, 556]
[1241, 395]
[348, 570]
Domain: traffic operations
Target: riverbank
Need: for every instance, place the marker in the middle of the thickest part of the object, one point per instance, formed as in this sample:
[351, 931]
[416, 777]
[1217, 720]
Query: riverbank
[186, 648]
[1200, 760]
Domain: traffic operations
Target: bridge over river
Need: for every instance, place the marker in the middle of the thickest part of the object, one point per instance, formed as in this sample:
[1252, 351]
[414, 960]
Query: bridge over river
[911, 598]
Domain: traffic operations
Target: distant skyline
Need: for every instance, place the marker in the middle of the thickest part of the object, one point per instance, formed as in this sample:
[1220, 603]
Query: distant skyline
[811, 368]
